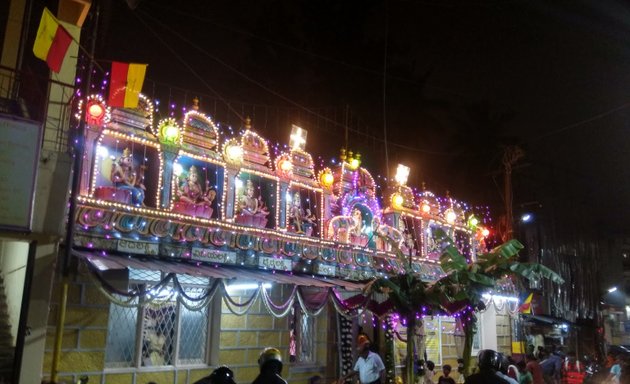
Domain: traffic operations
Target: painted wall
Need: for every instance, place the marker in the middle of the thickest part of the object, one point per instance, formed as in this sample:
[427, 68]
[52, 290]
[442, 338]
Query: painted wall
[13, 258]
[240, 341]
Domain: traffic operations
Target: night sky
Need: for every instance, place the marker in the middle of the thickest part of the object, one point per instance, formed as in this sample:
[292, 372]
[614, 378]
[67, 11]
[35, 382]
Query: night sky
[463, 80]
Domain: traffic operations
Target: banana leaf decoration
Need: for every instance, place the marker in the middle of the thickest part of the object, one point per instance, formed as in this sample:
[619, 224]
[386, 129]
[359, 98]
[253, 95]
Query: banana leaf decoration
[463, 285]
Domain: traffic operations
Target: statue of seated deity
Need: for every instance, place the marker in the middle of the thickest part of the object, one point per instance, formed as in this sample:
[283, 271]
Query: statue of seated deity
[192, 199]
[125, 177]
[251, 210]
[299, 220]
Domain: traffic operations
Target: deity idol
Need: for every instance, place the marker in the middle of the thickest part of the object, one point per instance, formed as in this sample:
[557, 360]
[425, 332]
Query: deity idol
[251, 209]
[310, 222]
[248, 203]
[125, 177]
[357, 223]
[192, 192]
[296, 214]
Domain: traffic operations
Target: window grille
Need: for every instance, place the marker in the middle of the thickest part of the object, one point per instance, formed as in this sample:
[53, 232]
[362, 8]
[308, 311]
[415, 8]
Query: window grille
[306, 337]
[160, 332]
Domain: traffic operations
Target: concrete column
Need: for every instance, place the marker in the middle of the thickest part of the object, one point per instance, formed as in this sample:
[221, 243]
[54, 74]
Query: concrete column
[167, 178]
[488, 326]
[282, 201]
[41, 291]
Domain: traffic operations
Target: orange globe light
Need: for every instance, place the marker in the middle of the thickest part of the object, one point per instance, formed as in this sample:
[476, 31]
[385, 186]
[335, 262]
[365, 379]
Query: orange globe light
[95, 113]
[397, 200]
[426, 208]
[96, 110]
[485, 232]
[327, 179]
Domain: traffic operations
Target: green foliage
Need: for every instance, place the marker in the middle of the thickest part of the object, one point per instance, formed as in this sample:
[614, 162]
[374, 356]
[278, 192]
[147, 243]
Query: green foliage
[463, 282]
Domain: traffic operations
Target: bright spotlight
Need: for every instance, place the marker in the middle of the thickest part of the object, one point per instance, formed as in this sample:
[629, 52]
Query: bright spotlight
[526, 217]
[612, 289]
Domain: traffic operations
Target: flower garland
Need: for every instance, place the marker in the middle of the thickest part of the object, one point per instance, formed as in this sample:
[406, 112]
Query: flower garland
[278, 311]
[153, 296]
[245, 307]
[308, 311]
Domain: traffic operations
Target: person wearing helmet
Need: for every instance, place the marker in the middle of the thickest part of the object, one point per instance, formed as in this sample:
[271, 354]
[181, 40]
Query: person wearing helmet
[369, 366]
[502, 371]
[270, 363]
[221, 375]
[488, 361]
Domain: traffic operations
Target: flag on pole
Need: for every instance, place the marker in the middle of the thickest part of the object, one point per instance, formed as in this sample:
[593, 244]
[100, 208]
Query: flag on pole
[526, 307]
[52, 41]
[126, 84]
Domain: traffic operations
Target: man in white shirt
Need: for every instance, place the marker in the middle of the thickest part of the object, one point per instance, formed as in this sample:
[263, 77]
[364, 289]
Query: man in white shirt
[369, 366]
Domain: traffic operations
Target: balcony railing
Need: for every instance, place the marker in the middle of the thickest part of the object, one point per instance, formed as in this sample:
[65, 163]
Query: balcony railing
[30, 96]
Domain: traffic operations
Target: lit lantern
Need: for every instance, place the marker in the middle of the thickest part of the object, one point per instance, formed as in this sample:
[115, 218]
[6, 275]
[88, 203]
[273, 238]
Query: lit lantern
[450, 216]
[326, 178]
[426, 208]
[233, 152]
[286, 165]
[485, 232]
[354, 161]
[169, 131]
[95, 112]
[397, 200]
[402, 174]
[473, 222]
[297, 140]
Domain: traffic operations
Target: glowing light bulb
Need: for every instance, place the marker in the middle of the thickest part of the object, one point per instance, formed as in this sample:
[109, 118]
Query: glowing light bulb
[102, 152]
[426, 208]
[96, 110]
[485, 232]
[397, 200]
[234, 153]
[171, 133]
[402, 174]
[177, 169]
[286, 165]
[327, 179]
[450, 216]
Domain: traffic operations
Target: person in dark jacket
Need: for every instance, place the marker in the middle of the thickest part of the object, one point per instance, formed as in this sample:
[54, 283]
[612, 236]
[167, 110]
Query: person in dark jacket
[270, 363]
[221, 375]
[488, 361]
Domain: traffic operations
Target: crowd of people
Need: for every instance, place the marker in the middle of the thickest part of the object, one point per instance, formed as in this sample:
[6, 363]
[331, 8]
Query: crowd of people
[546, 367]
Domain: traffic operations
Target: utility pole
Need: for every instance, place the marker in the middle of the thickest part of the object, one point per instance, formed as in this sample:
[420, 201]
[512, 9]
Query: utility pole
[511, 155]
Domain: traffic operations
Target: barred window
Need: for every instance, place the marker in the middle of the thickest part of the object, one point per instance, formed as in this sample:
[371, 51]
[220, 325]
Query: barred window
[306, 337]
[301, 337]
[159, 331]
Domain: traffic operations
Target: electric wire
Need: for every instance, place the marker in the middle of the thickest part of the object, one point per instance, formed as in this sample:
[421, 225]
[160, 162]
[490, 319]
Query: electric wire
[273, 92]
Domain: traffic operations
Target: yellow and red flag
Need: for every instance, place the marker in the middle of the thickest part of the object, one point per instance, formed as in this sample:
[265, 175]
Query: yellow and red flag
[52, 41]
[126, 84]
[526, 307]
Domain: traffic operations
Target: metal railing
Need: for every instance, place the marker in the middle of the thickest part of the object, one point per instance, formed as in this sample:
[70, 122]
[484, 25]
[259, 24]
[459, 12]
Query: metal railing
[34, 97]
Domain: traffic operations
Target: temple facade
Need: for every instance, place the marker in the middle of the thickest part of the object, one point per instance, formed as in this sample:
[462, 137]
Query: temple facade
[192, 250]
